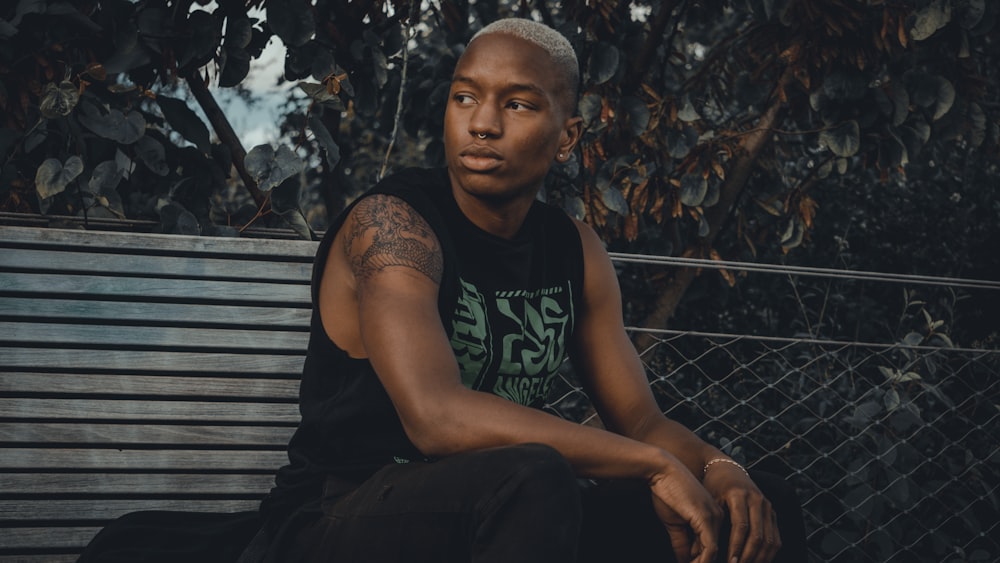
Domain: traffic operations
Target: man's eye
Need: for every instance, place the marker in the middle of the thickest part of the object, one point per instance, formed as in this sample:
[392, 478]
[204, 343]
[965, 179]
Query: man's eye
[517, 106]
[463, 98]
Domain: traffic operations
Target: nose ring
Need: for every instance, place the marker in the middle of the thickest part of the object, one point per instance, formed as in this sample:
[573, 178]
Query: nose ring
[481, 135]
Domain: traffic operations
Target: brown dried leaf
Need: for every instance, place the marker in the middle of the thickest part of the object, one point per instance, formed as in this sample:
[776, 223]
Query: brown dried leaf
[631, 227]
[726, 274]
[96, 71]
[651, 92]
[718, 169]
[657, 209]
[807, 210]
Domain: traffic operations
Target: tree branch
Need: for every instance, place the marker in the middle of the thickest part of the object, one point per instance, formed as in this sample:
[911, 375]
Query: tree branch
[225, 132]
[716, 216]
[641, 63]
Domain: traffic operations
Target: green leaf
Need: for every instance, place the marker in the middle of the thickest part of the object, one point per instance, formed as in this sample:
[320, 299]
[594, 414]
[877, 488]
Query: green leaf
[892, 152]
[614, 200]
[234, 65]
[185, 121]
[58, 101]
[114, 125]
[891, 400]
[292, 21]
[590, 109]
[269, 168]
[285, 197]
[971, 12]
[380, 66]
[239, 31]
[152, 154]
[52, 177]
[298, 223]
[111, 200]
[703, 228]
[845, 85]
[794, 232]
[930, 19]
[604, 62]
[638, 114]
[104, 179]
[574, 206]
[25, 7]
[694, 186]
[130, 54]
[680, 143]
[330, 149]
[687, 113]
[319, 93]
[206, 32]
[285, 202]
[174, 219]
[944, 97]
[712, 195]
[913, 138]
[843, 140]
[6, 30]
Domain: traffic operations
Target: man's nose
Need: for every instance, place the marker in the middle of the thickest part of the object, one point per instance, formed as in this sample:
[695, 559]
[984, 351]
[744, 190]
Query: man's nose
[485, 121]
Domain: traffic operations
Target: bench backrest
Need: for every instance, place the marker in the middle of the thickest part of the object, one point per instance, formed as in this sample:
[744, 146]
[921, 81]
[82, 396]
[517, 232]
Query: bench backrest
[141, 371]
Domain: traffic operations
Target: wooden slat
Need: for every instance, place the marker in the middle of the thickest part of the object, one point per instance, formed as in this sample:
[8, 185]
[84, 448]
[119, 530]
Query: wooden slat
[29, 510]
[173, 243]
[205, 412]
[158, 385]
[41, 459]
[37, 308]
[116, 337]
[186, 484]
[53, 537]
[169, 362]
[56, 261]
[143, 289]
[97, 433]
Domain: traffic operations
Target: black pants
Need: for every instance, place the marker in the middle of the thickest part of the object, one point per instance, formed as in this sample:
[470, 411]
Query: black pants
[519, 504]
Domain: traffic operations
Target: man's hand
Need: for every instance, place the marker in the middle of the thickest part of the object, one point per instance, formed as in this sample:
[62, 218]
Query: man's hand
[689, 514]
[754, 537]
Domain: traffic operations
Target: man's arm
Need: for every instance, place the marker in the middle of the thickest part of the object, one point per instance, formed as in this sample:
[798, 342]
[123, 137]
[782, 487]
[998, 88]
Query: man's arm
[616, 382]
[396, 264]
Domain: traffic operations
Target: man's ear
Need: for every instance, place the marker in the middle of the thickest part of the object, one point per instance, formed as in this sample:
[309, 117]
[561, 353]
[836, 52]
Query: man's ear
[572, 131]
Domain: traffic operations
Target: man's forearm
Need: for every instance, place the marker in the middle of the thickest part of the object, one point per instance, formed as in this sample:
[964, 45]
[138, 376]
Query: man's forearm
[677, 439]
[475, 420]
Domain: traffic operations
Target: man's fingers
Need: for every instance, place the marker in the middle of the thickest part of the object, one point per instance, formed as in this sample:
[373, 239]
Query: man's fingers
[680, 541]
[739, 529]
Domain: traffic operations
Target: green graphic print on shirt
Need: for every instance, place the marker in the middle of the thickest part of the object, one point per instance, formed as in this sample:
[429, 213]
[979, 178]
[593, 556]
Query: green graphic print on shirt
[515, 348]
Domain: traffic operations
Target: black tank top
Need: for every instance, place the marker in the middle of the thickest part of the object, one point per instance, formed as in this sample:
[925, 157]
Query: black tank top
[508, 306]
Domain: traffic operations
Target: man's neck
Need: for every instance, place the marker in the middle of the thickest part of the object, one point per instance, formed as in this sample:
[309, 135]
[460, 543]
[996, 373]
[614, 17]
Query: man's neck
[502, 218]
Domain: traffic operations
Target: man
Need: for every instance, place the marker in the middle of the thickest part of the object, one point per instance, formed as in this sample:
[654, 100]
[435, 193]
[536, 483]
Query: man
[444, 301]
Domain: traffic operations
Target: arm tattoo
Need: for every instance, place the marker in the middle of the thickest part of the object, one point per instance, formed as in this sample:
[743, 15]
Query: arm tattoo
[398, 236]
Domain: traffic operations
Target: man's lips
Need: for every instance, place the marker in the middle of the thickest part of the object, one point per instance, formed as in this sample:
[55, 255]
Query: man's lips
[478, 158]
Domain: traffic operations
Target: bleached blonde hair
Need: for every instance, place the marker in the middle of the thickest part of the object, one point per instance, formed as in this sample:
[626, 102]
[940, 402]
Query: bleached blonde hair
[551, 41]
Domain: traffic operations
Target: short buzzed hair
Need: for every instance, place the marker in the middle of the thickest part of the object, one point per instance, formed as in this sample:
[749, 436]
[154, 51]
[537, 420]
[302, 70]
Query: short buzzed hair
[550, 40]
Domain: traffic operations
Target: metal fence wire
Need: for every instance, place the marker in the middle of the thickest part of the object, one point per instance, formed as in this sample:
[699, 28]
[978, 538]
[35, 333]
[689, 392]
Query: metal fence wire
[894, 449]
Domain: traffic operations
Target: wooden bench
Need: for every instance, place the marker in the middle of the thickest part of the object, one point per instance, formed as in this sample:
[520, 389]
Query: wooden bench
[141, 371]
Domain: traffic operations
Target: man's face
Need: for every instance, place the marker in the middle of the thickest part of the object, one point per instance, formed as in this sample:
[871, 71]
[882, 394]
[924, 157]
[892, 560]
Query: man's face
[504, 124]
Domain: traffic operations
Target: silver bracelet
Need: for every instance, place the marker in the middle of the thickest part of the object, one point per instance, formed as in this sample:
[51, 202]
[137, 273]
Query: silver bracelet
[722, 460]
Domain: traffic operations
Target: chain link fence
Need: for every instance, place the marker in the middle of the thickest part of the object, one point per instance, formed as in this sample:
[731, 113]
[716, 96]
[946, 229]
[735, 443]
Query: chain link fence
[893, 448]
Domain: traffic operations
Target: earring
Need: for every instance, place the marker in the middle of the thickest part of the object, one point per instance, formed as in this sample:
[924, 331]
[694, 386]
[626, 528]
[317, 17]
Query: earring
[560, 156]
